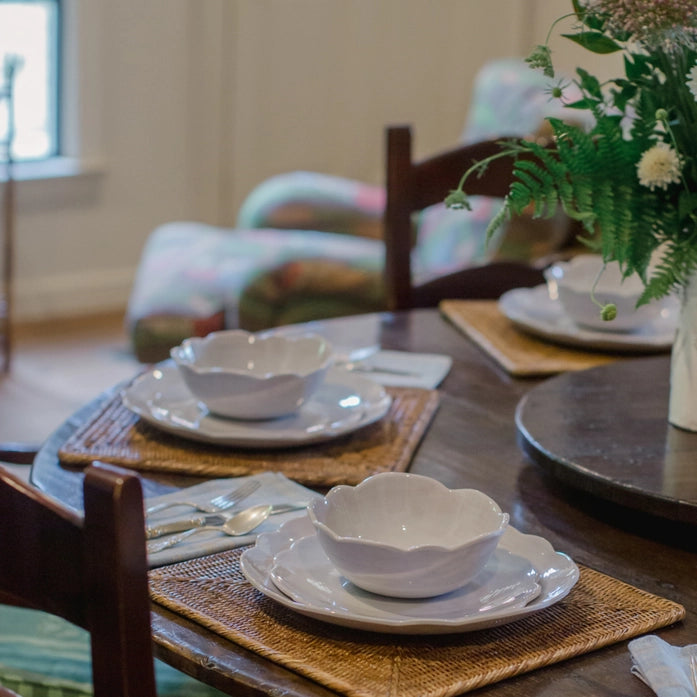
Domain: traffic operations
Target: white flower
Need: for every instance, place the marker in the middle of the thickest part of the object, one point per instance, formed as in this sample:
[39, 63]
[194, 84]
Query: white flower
[659, 166]
[692, 81]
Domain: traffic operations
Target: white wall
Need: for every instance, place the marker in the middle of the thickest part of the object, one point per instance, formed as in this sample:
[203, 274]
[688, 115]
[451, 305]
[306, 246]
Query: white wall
[183, 106]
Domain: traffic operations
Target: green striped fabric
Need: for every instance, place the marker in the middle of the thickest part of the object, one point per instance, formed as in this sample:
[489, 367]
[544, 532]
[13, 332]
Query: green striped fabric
[45, 656]
[34, 685]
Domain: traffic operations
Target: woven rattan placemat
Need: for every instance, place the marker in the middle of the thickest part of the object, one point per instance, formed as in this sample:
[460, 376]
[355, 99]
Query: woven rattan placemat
[517, 352]
[599, 611]
[116, 435]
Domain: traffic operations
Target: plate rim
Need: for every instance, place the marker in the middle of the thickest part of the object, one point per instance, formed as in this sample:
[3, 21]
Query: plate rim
[373, 411]
[576, 336]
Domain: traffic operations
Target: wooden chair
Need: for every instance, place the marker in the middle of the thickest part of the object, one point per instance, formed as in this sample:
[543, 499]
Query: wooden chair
[412, 186]
[91, 571]
[18, 453]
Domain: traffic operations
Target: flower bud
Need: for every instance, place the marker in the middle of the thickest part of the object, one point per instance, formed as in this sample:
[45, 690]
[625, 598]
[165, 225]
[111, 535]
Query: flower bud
[608, 312]
[457, 200]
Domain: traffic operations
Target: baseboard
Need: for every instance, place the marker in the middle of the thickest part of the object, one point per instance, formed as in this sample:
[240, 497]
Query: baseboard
[72, 295]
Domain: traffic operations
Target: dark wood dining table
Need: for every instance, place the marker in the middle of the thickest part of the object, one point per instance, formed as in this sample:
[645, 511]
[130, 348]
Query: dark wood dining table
[473, 441]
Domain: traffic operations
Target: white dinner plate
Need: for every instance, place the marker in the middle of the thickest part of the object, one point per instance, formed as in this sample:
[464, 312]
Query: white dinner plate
[305, 573]
[344, 403]
[342, 604]
[532, 310]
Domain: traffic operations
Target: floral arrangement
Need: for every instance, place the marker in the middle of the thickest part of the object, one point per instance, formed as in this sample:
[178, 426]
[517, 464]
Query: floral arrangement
[632, 178]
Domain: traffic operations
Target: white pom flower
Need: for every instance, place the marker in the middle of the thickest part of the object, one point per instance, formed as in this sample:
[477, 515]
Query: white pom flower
[659, 166]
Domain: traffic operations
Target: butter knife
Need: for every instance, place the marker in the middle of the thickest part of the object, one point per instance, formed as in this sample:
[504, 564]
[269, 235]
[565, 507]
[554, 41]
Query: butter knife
[364, 368]
[152, 531]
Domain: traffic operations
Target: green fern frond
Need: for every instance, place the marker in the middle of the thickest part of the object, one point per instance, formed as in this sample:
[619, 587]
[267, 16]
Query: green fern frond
[540, 184]
[498, 220]
[593, 176]
[677, 263]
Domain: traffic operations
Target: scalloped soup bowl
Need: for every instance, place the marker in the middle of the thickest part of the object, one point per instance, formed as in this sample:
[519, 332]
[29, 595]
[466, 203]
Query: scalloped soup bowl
[240, 375]
[573, 281]
[407, 535]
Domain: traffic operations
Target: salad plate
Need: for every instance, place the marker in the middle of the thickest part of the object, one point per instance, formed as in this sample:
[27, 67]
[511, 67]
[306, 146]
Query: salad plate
[540, 577]
[534, 311]
[342, 404]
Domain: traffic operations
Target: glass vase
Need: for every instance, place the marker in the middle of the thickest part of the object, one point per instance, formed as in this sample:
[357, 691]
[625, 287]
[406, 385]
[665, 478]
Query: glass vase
[682, 410]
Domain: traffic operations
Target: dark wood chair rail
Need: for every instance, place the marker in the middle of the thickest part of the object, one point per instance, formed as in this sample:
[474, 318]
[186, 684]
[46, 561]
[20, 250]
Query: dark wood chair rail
[471, 443]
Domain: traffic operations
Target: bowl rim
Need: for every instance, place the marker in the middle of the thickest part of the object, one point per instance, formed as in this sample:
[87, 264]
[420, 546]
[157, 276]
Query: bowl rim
[503, 519]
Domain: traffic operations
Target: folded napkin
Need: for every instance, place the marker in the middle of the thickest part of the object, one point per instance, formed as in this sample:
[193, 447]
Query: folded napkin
[425, 370]
[405, 368]
[666, 669]
[275, 488]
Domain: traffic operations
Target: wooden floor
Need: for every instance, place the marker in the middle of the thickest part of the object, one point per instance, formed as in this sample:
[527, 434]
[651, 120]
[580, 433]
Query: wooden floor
[55, 368]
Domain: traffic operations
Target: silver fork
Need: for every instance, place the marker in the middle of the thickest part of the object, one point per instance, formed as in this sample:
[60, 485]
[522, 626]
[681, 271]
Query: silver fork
[219, 503]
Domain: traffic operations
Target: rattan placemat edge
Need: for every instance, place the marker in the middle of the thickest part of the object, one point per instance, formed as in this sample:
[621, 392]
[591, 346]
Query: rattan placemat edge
[114, 434]
[301, 667]
[663, 613]
[519, 353]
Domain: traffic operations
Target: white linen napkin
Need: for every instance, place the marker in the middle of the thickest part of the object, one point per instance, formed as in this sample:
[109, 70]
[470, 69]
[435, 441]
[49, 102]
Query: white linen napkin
[425, 370]
[664, 668]
[275, 488]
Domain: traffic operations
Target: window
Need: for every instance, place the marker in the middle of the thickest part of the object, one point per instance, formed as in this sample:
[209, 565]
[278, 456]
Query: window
[30, 32]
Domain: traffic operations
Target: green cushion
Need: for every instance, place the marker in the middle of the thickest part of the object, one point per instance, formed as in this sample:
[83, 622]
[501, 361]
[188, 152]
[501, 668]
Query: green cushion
[45, 656]
[310, 289]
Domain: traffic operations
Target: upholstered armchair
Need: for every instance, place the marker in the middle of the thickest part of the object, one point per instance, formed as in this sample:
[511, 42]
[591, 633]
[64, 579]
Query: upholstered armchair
[309, 245]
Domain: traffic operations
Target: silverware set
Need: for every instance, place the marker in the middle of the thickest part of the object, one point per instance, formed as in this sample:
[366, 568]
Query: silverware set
[236, 525]
[215, 518]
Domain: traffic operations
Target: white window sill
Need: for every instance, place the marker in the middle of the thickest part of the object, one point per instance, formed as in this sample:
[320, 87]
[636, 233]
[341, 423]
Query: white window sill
[53, 168]
[57, 183]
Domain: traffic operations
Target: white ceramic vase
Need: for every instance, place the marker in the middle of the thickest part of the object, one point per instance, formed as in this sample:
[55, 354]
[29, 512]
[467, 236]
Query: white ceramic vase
[682, 410]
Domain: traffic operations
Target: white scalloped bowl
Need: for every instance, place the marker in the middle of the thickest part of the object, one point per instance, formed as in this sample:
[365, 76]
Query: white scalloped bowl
[241, 375]
[406, 535]
[573, 280]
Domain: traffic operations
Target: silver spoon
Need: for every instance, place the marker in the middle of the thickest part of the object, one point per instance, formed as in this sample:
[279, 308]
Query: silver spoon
[240, 524]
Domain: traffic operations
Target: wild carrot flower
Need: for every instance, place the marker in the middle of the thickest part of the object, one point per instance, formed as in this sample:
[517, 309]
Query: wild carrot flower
[647, 21]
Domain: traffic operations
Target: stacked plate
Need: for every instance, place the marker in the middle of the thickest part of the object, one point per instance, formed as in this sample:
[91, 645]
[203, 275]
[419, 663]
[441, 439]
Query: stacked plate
[534, 311]
[343, 403]
[523, 576]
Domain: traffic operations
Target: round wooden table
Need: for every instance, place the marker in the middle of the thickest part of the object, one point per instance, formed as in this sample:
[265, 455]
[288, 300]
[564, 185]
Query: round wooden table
[472, 442]
[605, 431]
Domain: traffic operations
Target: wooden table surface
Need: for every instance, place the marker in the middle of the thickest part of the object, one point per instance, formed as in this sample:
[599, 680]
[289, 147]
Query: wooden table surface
[472, 442]
[605, 430]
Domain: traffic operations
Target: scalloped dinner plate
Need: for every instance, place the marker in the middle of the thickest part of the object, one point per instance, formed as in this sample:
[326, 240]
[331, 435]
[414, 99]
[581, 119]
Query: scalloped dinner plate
[342, 404]
[539, 576]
